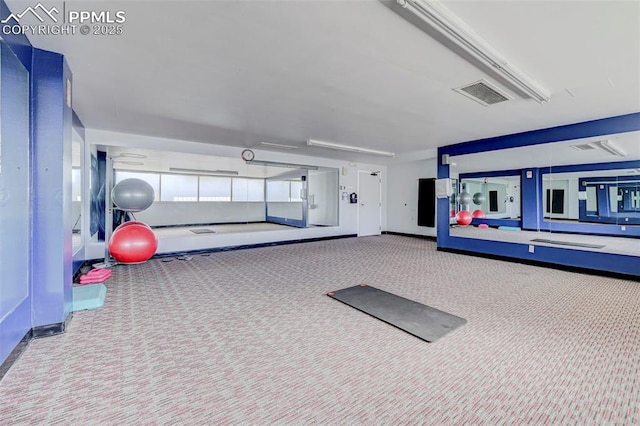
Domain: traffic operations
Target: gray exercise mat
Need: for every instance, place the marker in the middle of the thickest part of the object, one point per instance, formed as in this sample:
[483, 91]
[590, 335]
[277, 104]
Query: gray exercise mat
[422, 321]
[567, 243]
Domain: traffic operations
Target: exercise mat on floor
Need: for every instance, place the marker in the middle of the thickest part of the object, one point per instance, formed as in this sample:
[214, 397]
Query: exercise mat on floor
[420, 320]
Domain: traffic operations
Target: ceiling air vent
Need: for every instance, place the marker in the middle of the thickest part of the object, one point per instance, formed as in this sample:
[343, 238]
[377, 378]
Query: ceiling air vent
[484, 93]
[584, 147]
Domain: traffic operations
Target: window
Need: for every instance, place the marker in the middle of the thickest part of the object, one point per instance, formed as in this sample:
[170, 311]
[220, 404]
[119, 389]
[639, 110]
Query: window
[248, 189]
[295, 191]
[214, 188]
[152, 179]
[179, 188]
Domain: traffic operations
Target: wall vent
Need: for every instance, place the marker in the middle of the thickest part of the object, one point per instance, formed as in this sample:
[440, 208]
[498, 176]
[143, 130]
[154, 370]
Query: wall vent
[584, 147]
[484, 93]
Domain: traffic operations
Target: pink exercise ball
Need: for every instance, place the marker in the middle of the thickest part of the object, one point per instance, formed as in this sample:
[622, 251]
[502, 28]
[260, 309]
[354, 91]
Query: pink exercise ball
[479, 213]
[127, 224]
[463, 218]
[134, 243]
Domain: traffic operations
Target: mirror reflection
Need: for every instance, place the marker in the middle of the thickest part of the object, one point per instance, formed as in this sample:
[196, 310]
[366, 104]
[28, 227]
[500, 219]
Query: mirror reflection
[491, 197]
[76, 190]
[579, 194]
[220, 194]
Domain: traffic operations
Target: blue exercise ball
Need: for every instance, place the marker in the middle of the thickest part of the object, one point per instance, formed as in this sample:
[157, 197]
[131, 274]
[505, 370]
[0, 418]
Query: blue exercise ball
[132, 195]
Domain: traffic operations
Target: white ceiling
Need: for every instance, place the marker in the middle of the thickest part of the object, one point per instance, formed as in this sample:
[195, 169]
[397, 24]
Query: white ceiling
[352, 72]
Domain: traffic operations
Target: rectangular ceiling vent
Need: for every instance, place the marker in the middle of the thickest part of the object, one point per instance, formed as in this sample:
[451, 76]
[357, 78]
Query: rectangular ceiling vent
[484, 93]
[584, 147]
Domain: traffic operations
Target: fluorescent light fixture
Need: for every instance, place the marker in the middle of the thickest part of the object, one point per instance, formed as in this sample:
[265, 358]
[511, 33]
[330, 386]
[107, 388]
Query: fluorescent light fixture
[278, 145]
[130, 155]
[278, 164]
[203, 171]
[456, 31]
[611, 148]
[129, 163]
[340, 147]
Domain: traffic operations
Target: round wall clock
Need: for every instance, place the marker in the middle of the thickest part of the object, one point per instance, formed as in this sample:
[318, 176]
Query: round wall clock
[248, 155]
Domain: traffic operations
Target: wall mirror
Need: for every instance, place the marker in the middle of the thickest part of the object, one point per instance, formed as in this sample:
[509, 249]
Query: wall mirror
[199, 190]
[77, 153]
[582, 194]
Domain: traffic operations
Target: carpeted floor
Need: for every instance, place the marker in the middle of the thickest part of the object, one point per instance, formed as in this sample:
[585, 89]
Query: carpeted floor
[249, 337]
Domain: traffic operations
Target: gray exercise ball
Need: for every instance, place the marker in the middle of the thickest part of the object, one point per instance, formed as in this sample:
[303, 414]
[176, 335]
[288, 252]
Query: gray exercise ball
[478, 198]
[132, 195]
[464, 198]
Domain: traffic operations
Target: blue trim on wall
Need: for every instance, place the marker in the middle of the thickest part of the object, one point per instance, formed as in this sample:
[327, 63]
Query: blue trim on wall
[495, 173]
[592, 260]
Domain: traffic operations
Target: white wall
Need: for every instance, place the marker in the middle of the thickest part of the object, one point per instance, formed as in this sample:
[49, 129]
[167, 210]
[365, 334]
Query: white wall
[178, 213]
[402, 188]
[348, 218]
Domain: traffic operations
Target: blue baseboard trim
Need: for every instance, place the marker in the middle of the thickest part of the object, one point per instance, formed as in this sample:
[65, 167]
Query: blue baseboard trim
[550, 265]
[402, 234]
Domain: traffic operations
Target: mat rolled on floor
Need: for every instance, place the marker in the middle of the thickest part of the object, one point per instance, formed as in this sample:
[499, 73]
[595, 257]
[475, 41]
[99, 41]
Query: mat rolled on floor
[97, 275]
[422, 321]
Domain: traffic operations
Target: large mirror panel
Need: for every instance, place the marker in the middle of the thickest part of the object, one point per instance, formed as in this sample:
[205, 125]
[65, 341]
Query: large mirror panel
[578, 194]
[217, 194]
[77, 154]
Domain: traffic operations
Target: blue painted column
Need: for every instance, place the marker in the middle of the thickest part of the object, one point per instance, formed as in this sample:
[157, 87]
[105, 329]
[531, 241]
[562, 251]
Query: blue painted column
[442, 206]
[51, 123]
[531, 193]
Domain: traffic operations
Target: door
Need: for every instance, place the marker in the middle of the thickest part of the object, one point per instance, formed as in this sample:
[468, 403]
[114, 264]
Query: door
[369, 203]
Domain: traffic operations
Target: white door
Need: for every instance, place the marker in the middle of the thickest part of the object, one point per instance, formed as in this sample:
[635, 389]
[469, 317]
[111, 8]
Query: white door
[369, 204]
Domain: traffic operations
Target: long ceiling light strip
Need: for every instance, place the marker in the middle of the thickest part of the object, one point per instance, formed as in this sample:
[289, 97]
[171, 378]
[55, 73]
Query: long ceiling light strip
[340, 147]
[278, 145]
[203, 171]
[459, 33]
[278, 164]
[612, 148]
